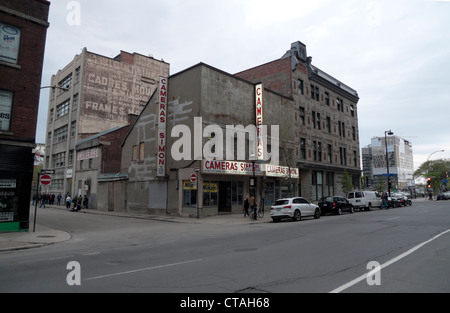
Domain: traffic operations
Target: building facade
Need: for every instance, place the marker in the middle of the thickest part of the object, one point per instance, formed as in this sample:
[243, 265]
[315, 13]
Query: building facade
[23, 30]
[98, 158]
[207, 159]
[92, 94]
[401, 162]
[324, 120]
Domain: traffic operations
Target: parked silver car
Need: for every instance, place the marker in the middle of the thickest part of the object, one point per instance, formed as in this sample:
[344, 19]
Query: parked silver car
[294, 208]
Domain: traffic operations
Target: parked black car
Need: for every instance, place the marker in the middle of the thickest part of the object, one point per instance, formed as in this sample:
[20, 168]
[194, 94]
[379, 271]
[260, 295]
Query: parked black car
[335, 205]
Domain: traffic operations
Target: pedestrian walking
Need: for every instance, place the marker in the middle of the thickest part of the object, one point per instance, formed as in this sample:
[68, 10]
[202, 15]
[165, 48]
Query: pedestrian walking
[68, 202]
[246, 206]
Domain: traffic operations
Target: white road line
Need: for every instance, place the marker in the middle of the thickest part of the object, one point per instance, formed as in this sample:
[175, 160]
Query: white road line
[401, 256]
[394, 218]
[143, 269]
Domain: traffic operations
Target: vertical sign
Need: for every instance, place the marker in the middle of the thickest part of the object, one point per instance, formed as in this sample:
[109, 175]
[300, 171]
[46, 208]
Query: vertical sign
[259, 89]
[162, 120]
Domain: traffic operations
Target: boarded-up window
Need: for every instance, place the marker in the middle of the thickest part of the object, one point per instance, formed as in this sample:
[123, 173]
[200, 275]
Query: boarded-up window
[135, 155]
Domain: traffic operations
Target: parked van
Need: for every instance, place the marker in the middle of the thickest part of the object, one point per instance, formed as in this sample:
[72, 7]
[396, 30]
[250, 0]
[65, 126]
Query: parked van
[364, 199]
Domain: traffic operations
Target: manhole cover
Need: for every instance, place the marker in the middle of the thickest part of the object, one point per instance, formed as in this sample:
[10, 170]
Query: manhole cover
[46, 236]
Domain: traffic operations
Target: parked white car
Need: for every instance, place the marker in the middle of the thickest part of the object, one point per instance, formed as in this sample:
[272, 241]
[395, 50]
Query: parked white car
[364, 199]
[294, 208]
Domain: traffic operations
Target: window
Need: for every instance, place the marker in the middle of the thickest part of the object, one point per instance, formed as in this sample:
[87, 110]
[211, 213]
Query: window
[65, 83]
[340, 104]
[319, 151]
[63, 109]
[352, 109]
[75, 102]
[303, 148]
[314, 92]
[354, 132]
[318, 121]
[314, 119]
[300, 87]
[302, 116]
[135, 155]
[329, 124]
[49, 138]
[329, 154]
[70, 161]
[59, 160]
[327, 98]
[355, 159]
[10, 36]
[60, 134]
[315, 150]
[341, 129]
[343, 155]
[77, 75]
[73, 128]
[90, 163]
[51, 116]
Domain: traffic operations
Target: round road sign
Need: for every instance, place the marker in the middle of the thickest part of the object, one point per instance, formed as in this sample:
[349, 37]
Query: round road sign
[46, 179]
[193, 178]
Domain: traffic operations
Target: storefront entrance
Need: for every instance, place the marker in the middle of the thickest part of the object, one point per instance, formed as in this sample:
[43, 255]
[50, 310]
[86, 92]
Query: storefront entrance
[224, 197]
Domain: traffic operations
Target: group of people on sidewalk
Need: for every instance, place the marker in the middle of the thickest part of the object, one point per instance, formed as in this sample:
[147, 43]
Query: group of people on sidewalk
[76, 202]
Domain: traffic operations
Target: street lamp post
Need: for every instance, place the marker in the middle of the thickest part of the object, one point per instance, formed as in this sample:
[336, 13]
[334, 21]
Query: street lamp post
[390, 133]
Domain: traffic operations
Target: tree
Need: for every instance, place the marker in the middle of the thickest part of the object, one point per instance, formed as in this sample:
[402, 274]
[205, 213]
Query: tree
[347, 185]
[437, 170]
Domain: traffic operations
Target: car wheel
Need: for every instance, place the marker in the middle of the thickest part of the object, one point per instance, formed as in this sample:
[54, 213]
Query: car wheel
[352, 209]
[339, 211]
[369, 207]
[297, 216]
[317, 214]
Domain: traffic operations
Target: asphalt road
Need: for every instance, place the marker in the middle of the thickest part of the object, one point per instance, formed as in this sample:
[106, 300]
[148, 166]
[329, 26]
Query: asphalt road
[410, 244]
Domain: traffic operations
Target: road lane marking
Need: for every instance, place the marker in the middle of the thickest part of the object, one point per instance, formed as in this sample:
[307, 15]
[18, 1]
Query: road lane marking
[394, 218]
[144, 269]
[392, 261]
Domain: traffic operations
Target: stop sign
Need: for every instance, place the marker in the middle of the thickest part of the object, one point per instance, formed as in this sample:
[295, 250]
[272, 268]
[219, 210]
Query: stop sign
[46, 179]
[193, 178]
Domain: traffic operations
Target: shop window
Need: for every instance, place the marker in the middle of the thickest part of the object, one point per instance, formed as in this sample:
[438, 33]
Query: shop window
[210, 193]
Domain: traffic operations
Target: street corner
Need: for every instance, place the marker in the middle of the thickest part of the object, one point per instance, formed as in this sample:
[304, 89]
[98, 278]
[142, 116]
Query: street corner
[32, 239]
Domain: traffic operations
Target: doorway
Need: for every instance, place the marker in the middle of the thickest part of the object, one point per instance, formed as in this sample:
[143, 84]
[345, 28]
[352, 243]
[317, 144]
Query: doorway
[224, 197]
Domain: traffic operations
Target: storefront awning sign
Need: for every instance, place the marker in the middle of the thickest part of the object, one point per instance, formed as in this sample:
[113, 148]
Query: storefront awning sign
[246, 168]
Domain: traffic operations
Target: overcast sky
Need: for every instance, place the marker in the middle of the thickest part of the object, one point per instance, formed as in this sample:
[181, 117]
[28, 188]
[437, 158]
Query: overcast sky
[395, 53]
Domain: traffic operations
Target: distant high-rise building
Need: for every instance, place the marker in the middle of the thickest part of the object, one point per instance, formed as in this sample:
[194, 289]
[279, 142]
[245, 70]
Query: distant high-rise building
[400, 156]
[92, 94]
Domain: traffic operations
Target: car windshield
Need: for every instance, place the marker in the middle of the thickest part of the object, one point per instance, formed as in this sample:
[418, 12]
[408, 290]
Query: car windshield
[281, 202]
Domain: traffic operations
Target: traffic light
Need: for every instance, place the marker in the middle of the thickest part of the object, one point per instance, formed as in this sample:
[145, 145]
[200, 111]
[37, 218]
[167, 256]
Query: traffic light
[429, 182]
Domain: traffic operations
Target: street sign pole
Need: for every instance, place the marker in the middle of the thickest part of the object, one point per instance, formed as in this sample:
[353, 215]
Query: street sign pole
[38, 187]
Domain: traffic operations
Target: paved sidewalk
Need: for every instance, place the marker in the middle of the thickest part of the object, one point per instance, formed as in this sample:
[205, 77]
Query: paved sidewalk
[44, 236]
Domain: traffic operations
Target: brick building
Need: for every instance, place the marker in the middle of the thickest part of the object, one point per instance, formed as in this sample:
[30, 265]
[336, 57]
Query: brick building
[326, 140]
[95, 94]
[315, 143]
[23, 30]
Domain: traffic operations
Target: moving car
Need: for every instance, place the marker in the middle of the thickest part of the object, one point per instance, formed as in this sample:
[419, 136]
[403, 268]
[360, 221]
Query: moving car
[294, 208]
[335, 205]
